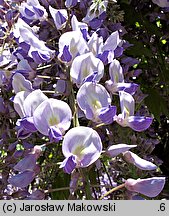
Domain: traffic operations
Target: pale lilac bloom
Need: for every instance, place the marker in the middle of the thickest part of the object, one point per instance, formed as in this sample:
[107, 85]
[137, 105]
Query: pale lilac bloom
[59, 16]
[127, 118]
[24, 67]
[25, 103]
[150, 187]
[116, 82]
[19, 83]
[6, 58]
[81, 146]
[115, 150]
[104, 51]
[95, 10]
[18, 102]
[29, 161]
[95, 44]
[71, 44]
[161, 3]
[76, 25]
[32, 10]
[71, 3]
[94, 100]
[22, 179]
[142, 164]
[35, 48]
[52, 118]
[84, 66]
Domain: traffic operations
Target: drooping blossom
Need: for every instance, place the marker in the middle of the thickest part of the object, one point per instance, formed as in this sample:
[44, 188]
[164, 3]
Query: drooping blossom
[71, 44]
[30, 43]
[150, 187]
[32, 10]
[79, 26]
[127, 117]
[71, 3]
[116, 82]
[25, 69]
[84, 66]
[19, 83]
[134, 159]
[23, 179]
[96, 9]
[29, 161]
[52, 118]
[95, 102]
[76, 25]
[81, 146]
[104, 50]
[161, 3]
[25, 104]
[59, 16]
[114, 150]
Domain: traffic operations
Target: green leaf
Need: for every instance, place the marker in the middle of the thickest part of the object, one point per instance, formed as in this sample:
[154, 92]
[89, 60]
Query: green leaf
[62, 180]
[156, 104]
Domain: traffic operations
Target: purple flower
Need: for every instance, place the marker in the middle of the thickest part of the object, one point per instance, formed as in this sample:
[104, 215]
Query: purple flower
[71, 3]
[127, 118]
[76, 25]
[75, 44]
[104, 51]
[32, 10]
[95, 102]
[22, 179]
[30, 43]
[130, 88]
[116, 72]
[115, 150]
[52, 118]
[19, 83]
[95, 44]
[138, 162]
[116, 82]
[25, 69]
[161, 3]
[25, 104]
[59, 16]
[95, 10]
[150, 187]
[85, 65]
[81, 146]
[29, 161]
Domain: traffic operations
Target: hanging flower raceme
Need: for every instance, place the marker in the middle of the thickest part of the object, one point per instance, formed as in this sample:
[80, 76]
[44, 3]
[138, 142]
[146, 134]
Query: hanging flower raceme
[52, 118]
[59, 16]
[81, 146]
[116, 82]
[94, 100]
[127, 118]
[84, 66]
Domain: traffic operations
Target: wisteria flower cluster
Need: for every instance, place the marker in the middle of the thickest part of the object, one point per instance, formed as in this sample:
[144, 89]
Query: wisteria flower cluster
[67, 103]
